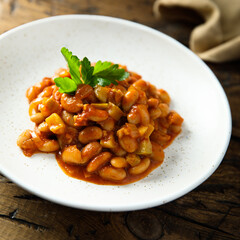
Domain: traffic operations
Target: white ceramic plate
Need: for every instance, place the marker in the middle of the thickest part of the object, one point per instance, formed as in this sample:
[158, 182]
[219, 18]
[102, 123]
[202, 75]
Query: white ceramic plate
[32, 51]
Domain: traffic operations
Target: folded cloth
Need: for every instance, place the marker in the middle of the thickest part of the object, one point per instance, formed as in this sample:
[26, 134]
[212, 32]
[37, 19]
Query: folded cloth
[218, 38]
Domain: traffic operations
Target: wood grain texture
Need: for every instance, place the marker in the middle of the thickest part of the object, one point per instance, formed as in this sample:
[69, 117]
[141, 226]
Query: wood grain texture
[210, 212]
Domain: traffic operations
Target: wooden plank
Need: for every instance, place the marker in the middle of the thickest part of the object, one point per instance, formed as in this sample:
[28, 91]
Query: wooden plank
[211, 211]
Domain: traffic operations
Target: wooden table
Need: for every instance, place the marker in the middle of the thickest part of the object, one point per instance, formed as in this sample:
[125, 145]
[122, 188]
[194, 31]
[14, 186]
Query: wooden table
[211, 211]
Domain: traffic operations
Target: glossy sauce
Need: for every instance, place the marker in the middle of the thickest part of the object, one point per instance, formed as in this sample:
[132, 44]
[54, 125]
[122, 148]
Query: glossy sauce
[79, 172]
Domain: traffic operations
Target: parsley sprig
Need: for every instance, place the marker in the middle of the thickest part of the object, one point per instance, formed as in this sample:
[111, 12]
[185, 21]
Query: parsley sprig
[103, 73]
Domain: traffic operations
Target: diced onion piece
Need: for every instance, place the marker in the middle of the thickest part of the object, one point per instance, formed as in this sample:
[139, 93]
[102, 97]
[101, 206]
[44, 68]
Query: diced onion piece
[142, 130]
[133, 159]
[56, 124]
[149, 131]
[145, 147]
[114, 111]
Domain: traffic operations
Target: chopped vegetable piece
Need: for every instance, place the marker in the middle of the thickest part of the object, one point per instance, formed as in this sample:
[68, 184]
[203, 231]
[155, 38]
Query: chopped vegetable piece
[55, 123]
[114, 111]
[145, 147]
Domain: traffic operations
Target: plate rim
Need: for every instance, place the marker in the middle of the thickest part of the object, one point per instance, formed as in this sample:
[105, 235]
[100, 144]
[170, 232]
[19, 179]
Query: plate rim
[143, 205]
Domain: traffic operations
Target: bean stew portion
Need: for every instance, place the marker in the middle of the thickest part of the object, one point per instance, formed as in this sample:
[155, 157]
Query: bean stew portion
[111, 135]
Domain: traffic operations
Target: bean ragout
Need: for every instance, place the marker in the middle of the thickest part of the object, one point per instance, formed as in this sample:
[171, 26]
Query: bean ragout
[111, 135]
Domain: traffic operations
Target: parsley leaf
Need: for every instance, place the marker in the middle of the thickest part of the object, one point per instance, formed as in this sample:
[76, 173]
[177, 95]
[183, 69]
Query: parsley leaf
[87, 72]
[111, 74]
[103, 73]
[101, 66]
[66, 85]
[73, 64]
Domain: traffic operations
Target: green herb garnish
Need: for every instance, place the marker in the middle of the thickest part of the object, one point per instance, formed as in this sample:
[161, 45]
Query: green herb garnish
[103, 73]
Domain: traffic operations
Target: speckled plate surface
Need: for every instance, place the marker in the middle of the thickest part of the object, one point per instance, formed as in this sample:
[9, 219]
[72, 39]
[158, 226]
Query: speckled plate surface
[32, 51]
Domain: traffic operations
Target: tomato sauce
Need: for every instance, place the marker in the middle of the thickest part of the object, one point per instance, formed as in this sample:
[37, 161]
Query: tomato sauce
[79, 171]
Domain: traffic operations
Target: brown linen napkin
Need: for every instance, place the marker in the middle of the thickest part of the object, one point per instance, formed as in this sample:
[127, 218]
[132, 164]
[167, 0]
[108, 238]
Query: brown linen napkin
[218, 38]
